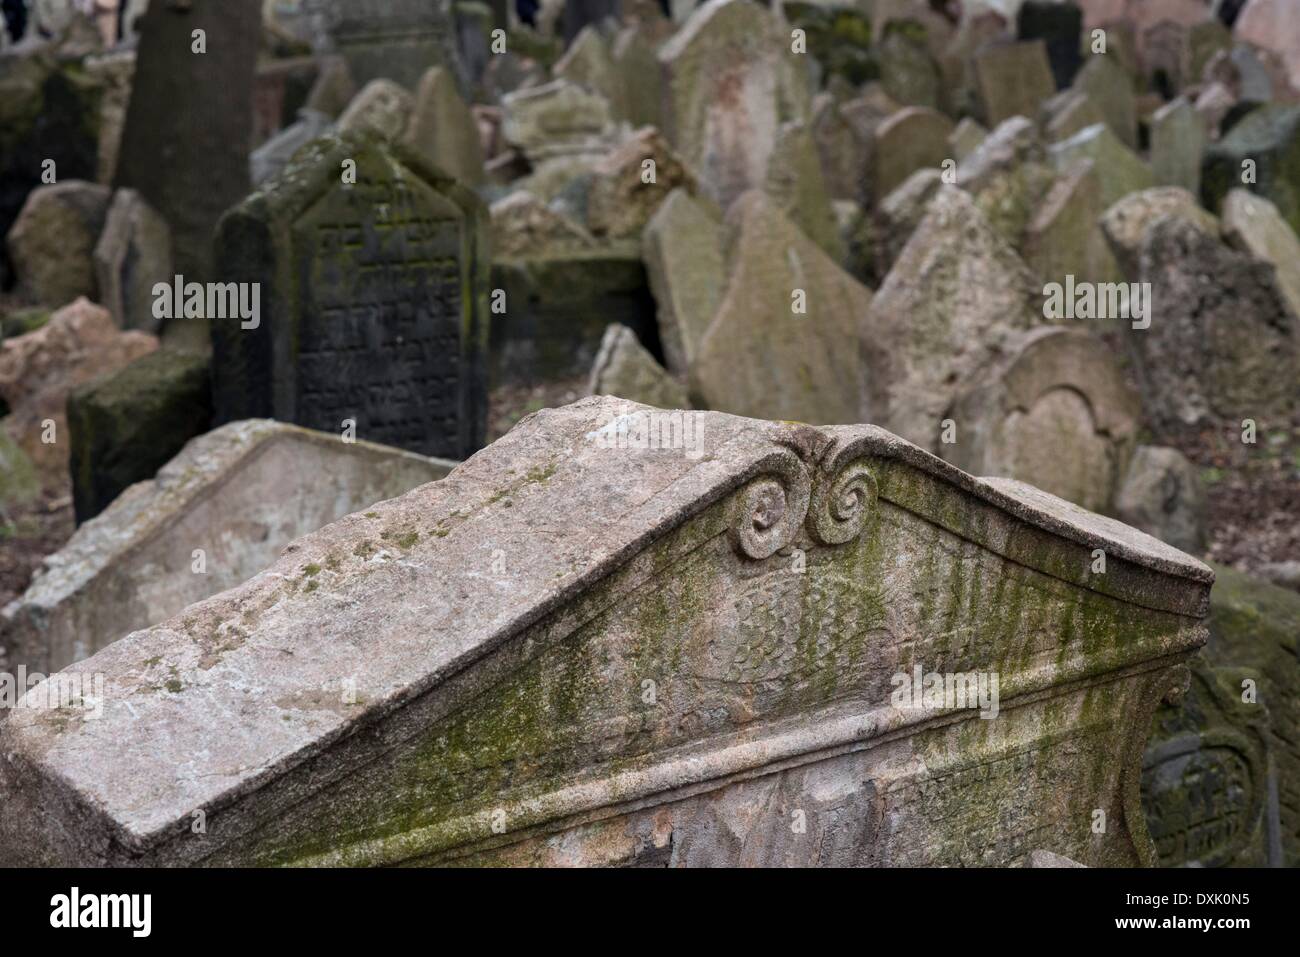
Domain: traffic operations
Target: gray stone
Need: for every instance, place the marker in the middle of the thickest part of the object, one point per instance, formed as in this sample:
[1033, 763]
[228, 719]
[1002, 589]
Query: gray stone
[1048, 859]
[392, 39]
[443, 129]
[624, 368]
[556, 119]
[1125, 224]
[1013, 78]
[270, 159]
[238, 495]
[1178, 138]
[1253, 225]
[913, 138]
[113, 73]
[908, 72]
[382, 108]
[1111, 91]
[956, 281]
[683, 250]
[1161, 494]
[1008, 175]
[1069, 112]
[333, 90]
[387, 684]
[1270, 138]
[783, 342]
[523, 227]
[1120, 171]
[589, 63]
[1055, 412]
[635, 60]
[965, 138]
[1064, 236]
[52, 243]
[628, 184]
[886, 231]
[795, 181]
[729, 84]
[373, 300]
[134, 253]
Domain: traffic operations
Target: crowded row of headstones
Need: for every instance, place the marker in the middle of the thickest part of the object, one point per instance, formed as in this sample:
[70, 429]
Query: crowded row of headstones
[1030, 244]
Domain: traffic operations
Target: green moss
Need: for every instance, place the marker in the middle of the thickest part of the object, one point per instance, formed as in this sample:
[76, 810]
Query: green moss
[408, 540]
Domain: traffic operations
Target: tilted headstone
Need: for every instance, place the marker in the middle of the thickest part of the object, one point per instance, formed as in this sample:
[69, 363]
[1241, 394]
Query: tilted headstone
[584, 647]
[956, 281]
[1111, 90]
[270, 159]
[795, 180]
[783, 343]
[194, 167]
[1267, 143]
[1177, 140]
[133, 254]
[1120, 171]
[372, 300]
[1069, 112]
[443, 129]
[395, 39]
[1063, 237]
[52, 243]
[1008, 174]
[911, 139]
[1055, 412]
[1161, 494]
[382, 108]
[1125, 223]
[1253, 224]
[1013, 78]
[730, 81]
[629, 183]
[215, 515]
[626, 369]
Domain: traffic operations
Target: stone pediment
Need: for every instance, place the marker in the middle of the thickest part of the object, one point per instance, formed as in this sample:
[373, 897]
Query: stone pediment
[579, 649]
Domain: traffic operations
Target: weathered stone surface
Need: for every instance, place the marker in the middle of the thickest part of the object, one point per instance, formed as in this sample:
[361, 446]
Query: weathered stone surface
[966, 138]
[1270, 138]
[1253, 225]
[624, 368]
[682, 247]
[239, 494]
[393, 39]
[881, 236]
[38, 370]
[624, 192]
[783, 342]
[1272, 25]
[334, 88]
[1120, 171]
[908, 72]
[1223, 343]
[1054, 412]
[382, 109]
[1110, 89]
[556, 119]
[1048, 859]
[1161, 494]
[133, 253]
[1008, 175]
[675, 572]
[557, 306]
[729, 83]
[443, 129]
[270, 159]
[523, 226]
[1064, 237]
[795, 181]
[372, 301]
[125, 426]
[911, 139]
[1067, 113]
[1125, 224]
[1178, 138]
[589, 63]
[19, 482]
[948, 306]
[52, 243]
[635, 59]
[112, 74]
[1213, 104]
[840, 150]
[194, 169]
[1013, 79]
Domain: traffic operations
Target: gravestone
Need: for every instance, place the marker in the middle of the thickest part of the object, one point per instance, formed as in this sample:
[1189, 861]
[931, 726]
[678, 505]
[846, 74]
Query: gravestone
[913, 138]
[1223, 344]
[625, 369]
[270, 159]
[882, 234]
[966, 138]
[795, 181]
[782, 344]
[134, 252]
[1272, 25]
[394, 39]
[523, 226]
[1161, 494]
[1120, 171]
[373, 299]
[1060, 27]
[52, 243]
[589, 63]
[956, 281]
[1125, 224]
[1270, 138]
[1064, 238]
[1069, 112]
[729, 82]
[1013, 79]
[457, 728]
[1111, 91]
[628, 184]
[443, 129]
[556, 119]
[238, 495]
[193, 169]
[683, 251]
[1055, 412]
[634, 60]
[1177, 141]
[382, 108]
[1253, 224]
[1008, 175]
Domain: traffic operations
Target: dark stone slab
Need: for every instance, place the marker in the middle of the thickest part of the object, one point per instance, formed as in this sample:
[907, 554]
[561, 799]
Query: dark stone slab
[1060, 26]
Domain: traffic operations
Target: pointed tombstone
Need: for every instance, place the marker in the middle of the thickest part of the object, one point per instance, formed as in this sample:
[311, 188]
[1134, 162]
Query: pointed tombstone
[382, 108]
[1177, 141]
[635, 60]
[908, 72]
[589, 63]
[1126, 222]
[1008, 174]
[795, 181]
[785, 572]
[1069, 112]
[1013, 80]
[1055, 412]
[682, 247]
[373, 300]
[134, 253]
[1111, 90]
[1063, 238]
[783, 342]
[625, 369]
[730, 81]
[956, 282]
[442, 128]
[966, 138]
[1270, 139]
[1120, 171]
[1253, 224]
[913, 138]
[193, 169]
[1223, 344]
